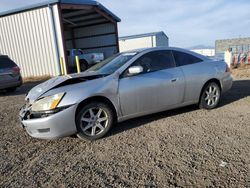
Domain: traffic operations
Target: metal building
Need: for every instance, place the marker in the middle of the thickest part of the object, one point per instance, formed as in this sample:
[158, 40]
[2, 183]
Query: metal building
[143, 41]
[209, 52]
[37, 36]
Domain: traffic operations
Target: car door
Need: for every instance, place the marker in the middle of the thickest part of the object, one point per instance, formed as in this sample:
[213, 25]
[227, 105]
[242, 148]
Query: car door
[194, 71]
[160, 85]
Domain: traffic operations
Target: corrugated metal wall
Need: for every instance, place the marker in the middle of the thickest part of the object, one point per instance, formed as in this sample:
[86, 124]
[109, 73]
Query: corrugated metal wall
[135, 43]
[27, 38]
[143, 42]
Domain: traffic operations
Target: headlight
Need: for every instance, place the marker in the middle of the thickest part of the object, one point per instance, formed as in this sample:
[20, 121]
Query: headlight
[47, 103]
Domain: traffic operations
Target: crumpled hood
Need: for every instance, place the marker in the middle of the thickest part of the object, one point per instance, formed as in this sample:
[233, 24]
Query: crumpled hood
[42, 88]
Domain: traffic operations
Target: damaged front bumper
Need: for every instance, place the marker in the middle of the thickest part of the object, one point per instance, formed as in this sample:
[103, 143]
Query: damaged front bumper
[49, 125]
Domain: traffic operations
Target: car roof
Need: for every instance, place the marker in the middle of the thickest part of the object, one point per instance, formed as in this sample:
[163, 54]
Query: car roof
[140, 50]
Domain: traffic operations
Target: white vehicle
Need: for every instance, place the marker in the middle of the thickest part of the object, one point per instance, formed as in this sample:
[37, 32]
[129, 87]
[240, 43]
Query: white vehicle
[86, 60]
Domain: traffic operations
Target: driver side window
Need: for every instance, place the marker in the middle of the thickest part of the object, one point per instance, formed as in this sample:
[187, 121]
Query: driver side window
[155, 61]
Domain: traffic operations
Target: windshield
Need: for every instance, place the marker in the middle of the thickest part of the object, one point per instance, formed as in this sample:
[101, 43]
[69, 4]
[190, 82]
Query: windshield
[110, 65]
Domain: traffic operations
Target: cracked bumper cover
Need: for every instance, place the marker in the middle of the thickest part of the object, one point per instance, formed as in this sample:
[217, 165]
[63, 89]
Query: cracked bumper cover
[54, 126]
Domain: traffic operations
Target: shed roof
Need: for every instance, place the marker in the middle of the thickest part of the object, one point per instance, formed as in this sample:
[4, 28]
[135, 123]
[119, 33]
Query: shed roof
[142, 35]
[50, 2]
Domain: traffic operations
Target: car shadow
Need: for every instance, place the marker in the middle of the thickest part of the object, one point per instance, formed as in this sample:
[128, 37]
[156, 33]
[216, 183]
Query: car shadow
[24, 89]
[239, 90]
[140, 121]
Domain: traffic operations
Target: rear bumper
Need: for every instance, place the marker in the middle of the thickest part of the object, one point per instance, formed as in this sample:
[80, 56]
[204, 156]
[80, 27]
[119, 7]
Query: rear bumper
[55, 126]
[12, 84]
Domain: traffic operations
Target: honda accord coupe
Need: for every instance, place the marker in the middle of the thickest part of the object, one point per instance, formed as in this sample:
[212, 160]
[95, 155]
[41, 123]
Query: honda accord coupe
[124, 86]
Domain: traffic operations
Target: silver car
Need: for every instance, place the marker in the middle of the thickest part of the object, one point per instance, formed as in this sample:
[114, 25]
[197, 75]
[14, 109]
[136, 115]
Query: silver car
[125, 86]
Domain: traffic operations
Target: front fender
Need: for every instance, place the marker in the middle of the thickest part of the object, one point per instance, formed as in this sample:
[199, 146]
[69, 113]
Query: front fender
[76, 93]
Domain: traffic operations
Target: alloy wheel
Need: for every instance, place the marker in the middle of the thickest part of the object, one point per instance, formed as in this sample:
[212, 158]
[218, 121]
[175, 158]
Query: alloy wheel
[212, 95]
[94, 121]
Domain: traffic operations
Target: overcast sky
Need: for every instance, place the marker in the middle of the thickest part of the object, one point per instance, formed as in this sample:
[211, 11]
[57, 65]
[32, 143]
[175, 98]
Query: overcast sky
[186, 22]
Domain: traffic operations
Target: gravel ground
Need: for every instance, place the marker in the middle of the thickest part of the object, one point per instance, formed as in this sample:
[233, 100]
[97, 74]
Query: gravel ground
[241, 72]
[178, 148]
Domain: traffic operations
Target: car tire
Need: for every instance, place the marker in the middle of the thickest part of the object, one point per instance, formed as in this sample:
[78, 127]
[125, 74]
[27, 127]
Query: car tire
[94, 121]
[83, 65]
[12, 89]
[210, 96]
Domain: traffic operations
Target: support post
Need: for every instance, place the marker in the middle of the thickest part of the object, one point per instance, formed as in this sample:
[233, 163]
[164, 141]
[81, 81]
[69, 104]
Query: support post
[62, 65]
[66, 68]
[78, 64]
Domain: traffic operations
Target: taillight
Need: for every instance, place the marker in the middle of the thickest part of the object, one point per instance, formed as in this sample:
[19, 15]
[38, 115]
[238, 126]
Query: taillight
[16, 70]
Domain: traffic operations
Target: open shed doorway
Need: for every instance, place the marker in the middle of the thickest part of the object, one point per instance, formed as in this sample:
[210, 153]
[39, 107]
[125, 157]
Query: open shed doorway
[88, 28]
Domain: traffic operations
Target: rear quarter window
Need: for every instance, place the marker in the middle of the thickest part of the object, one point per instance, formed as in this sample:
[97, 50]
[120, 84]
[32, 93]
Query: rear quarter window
[6, 62]
[182, 58]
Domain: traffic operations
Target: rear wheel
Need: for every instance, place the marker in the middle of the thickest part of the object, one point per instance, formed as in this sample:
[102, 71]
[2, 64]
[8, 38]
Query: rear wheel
[94, 121]
[210, 96]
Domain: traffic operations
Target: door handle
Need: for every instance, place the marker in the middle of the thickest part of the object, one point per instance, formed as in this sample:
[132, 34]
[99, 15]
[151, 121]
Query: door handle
[174, 80]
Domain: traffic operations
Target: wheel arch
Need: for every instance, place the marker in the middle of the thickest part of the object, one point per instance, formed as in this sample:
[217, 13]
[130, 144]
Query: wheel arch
[207, 82]
[97, 99]
[83, 60]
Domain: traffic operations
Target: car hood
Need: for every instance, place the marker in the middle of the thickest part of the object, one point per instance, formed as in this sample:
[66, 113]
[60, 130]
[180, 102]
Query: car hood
[59, 81]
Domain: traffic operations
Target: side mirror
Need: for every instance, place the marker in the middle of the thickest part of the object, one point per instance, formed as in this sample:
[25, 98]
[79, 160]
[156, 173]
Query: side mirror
[135, 70]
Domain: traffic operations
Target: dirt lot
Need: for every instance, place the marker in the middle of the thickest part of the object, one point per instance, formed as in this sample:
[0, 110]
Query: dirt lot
[179, 148]
[242, 72]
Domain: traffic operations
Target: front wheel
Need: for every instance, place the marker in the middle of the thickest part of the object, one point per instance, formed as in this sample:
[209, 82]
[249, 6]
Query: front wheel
[94, 121]
[210, 96]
